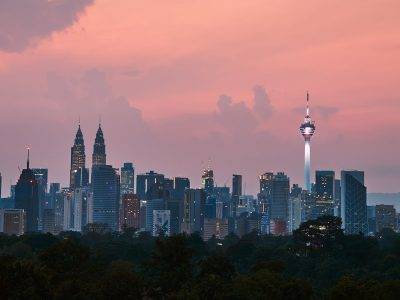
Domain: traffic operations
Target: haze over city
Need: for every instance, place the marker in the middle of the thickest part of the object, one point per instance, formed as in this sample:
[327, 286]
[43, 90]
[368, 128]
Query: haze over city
[178, 83]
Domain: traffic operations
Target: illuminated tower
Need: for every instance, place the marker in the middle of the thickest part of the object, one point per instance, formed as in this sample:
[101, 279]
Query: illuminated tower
[99, 149]
[307, 129]
[79, 175]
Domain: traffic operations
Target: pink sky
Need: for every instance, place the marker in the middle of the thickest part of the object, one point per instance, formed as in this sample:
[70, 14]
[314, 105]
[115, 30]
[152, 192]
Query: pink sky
[155, 71]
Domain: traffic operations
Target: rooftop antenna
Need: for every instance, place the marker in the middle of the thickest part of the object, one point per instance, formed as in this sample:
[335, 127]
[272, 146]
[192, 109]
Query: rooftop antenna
[99, 120]
[308, 108]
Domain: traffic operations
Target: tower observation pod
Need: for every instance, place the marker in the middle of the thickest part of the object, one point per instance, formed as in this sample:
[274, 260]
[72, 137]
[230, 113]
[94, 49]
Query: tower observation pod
[307, 129]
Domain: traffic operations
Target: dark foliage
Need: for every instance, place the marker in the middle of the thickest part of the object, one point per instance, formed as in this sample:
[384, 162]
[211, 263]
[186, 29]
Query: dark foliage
[317, 262]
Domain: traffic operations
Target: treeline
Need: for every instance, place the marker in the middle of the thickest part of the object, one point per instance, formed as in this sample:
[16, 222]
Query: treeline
[317, 262]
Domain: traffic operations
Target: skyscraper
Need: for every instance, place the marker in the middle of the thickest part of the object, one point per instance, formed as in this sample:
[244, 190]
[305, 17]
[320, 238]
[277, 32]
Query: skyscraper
[105, 187]
[27, 197]
[307, 129]
[354, 202]
[324, 193]
[279, 204]
[41, 176]
[99, 149]
[207, 180]
[146, 183]
[130, 211]
[193, 211]
[127, 179]
[79, 175]
[265, 194]
[236, 193]
[385, 217]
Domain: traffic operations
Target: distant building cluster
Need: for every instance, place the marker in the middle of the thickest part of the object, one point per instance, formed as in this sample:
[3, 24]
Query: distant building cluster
[107, 199]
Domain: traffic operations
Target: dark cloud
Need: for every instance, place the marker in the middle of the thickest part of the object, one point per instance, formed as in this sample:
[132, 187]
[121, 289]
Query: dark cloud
[24, 23]
[262, 106]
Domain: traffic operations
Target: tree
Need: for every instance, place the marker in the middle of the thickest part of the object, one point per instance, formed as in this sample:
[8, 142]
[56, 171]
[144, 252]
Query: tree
[318, 234]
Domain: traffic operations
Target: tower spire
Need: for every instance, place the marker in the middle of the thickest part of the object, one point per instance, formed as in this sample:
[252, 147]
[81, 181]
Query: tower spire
[308, 106]
[27, 159]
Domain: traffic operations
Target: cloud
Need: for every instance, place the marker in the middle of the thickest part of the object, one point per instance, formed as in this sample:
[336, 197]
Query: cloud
[320, 110]
[236, 118]
[261, 103]
[24, 23]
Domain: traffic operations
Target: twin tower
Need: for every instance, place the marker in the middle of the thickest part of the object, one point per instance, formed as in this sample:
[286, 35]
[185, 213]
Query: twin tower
[79, 174]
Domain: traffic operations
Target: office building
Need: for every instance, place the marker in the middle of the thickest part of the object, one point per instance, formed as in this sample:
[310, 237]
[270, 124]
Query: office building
[49, 222]
[82, 198]
[127, 179]
[280, 203]
[130, 211]
[207, 180]
[106, 195]
[27, 197]
[385, 217]
[151, 206]
[161, 223]
[79, 174]
[193, 211]
[148, 183]
[354, 202]
[12, 221]
[99, 157]
[371, 219]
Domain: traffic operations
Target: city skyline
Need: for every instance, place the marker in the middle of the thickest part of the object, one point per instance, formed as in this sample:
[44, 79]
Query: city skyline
[171, 93]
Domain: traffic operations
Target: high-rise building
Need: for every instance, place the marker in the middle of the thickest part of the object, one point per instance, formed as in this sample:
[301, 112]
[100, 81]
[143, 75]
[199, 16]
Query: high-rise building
[385, 217]
[236, 193]
[130, 211]
[207, 180]
[161, 222]
[27, 197]
[12, 221]
[265, 194]
[82, 198]
[181, 184]
[55, 188]
[151, 206]
[41, 176]
[106, 194]
[280, 203]
[127, 179]
[175, 206]
[325, 183]
[338, 197]
[371, 219]
[307, 130]
[193, 211]
[79, 175]
[99, 149]
[147, 184]
[354, 202]
[324, 192]
[295, 208]
[49, 222]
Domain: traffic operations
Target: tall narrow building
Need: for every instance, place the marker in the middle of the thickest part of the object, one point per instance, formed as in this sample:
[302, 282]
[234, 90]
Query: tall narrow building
[27, 197]
[354, 202]
[78, 172]
[99, 149]
[307, 130]
[127, 179]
